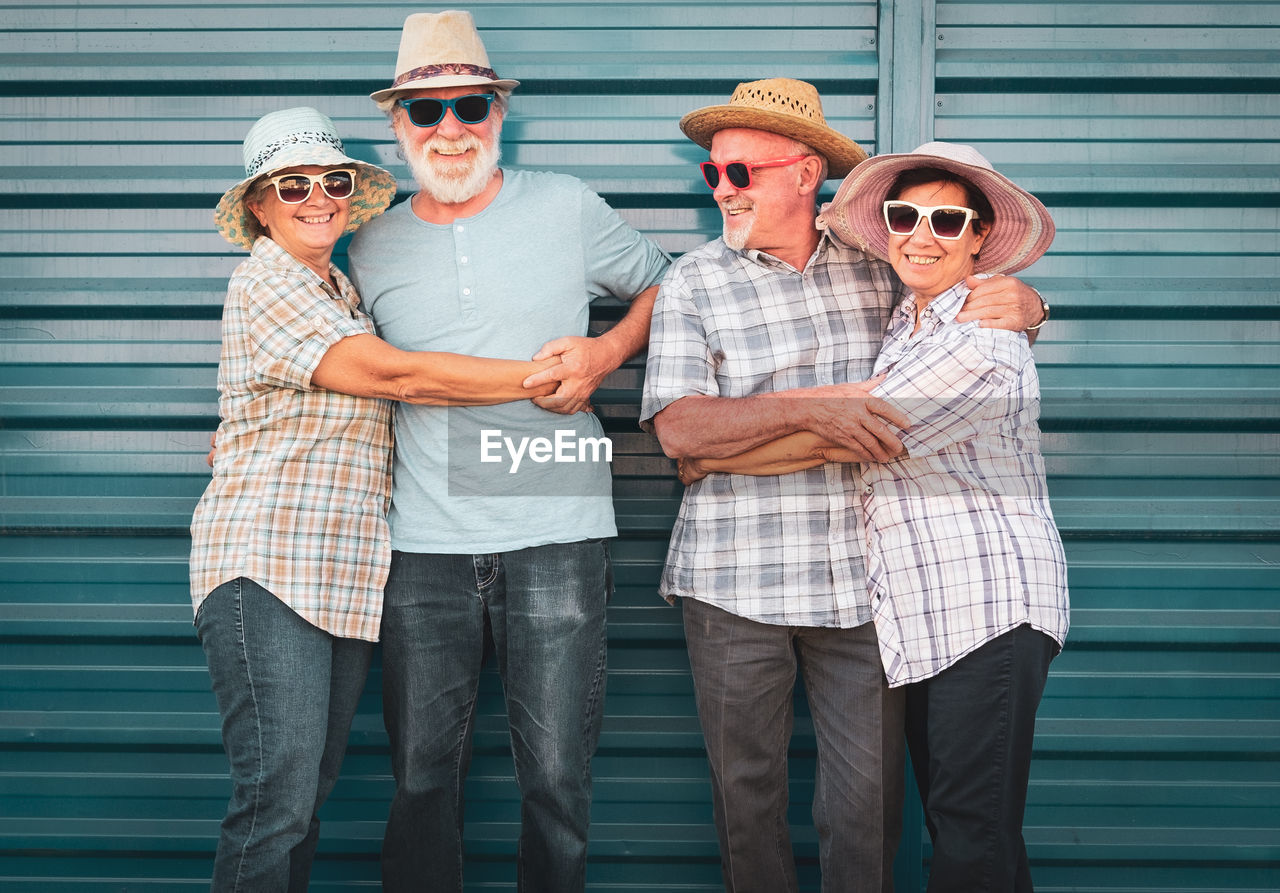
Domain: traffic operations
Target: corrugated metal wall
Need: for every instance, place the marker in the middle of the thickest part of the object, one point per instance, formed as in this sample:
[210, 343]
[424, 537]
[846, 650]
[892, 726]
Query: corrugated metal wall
[1149, 128]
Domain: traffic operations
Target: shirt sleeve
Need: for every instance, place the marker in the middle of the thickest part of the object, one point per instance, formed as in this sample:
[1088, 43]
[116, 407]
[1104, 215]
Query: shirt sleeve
[680, 363]
[619, 261]
[292, 323]
[951, 391]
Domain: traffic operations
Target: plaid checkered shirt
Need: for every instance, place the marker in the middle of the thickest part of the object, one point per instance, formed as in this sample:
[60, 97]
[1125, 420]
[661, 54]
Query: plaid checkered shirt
[961, 542]
[302, 477]
[781, 549]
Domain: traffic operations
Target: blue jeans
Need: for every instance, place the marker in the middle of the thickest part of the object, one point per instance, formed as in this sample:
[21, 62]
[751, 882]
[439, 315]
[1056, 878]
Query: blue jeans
[744, 676]
[969, 730]
[287, 693]
[543, 611]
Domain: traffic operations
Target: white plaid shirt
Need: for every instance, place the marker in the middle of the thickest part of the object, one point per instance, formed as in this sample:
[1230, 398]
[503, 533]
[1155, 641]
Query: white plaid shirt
[782, 549]
[302, 476]
[961, 542]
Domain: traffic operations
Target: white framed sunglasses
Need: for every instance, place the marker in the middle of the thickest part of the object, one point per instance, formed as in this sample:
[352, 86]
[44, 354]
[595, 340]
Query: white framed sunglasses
[945, 221]
[295, 188]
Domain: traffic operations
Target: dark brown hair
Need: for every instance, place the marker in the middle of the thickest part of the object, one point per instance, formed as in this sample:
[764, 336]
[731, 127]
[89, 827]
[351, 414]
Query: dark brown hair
[973, 195]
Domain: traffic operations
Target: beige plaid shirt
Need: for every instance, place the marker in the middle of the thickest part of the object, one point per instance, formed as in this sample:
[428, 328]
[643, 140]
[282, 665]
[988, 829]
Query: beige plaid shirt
[302, 477]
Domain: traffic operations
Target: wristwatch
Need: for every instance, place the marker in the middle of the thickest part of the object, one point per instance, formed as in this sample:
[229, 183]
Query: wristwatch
[1044, 306]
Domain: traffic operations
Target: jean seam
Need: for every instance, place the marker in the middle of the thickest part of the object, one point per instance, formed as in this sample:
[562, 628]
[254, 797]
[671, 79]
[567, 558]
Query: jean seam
[253, 698]
[588, 718]
[458, 780]
[493, 572]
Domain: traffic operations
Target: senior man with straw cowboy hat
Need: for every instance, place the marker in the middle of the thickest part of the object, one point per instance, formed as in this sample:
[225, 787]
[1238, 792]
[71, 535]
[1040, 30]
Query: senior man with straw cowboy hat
[494, 557]
[769, 330]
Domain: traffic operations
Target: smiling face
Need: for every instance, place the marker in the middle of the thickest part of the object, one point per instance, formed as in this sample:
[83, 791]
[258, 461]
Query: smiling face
[308, 230]
[775, 213]
[928, 265]
[453, 162]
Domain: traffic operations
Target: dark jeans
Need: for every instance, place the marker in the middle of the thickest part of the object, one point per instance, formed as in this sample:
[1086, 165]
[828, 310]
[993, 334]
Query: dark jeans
[744, 676]
[544, 608]
[969, 730]
[287, 692]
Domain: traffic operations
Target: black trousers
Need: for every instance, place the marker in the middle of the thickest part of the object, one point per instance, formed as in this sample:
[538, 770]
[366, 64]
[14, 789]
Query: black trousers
[969, 732]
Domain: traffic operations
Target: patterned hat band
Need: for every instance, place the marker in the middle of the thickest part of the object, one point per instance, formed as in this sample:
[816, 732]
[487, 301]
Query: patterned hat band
[448, 68]
[307, 137]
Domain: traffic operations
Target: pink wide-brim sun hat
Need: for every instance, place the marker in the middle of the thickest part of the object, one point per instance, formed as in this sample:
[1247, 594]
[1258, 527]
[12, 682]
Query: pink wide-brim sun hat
[1021, 232]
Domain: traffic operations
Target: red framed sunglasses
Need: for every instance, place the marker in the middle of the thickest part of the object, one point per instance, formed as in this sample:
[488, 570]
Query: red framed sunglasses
[739, 172]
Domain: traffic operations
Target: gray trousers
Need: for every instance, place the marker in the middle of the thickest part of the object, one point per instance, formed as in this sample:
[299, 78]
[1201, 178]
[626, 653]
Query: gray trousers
[744, 676]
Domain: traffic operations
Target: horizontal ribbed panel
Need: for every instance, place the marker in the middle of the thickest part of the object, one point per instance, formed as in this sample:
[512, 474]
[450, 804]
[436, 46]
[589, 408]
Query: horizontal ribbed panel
[1151, 131]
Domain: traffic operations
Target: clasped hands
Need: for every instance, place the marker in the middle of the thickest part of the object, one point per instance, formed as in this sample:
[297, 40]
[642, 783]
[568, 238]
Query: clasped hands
[584, 364]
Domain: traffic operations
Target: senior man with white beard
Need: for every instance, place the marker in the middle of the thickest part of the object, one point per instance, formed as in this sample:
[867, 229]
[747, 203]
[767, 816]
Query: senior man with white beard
[500, 542]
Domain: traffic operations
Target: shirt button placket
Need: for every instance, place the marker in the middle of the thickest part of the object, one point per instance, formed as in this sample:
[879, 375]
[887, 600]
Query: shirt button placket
[462, 262]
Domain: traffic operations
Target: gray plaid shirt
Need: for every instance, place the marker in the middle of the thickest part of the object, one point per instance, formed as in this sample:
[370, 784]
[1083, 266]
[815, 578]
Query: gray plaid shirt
[783, 549]
[962, 546]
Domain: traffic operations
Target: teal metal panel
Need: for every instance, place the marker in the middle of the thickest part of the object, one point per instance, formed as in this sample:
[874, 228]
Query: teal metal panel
[1150, 128]
[120, 125]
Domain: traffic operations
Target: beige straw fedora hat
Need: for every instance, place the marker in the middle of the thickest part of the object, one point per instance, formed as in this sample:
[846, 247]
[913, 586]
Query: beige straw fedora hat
[293, 138]
[784, 106]
[440, 49]
[1019, 235]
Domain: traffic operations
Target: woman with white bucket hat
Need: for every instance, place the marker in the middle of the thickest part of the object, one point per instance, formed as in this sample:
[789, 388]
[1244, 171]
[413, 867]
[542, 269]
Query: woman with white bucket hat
[290, 547]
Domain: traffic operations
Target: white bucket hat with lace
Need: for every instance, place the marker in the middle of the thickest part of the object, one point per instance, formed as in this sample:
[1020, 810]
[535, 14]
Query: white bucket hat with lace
[293, 138]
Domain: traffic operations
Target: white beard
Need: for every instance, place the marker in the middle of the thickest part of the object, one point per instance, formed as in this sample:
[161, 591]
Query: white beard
[455, 186]
[736, 238]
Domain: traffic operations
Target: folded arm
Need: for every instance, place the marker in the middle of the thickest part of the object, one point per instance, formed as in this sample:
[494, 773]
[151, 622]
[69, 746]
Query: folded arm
[844, 416]
[794, 452]
[367, 366]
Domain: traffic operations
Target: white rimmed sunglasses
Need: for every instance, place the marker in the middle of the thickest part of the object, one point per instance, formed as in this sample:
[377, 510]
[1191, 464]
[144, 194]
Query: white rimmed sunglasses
[945, 221]
[295, 188]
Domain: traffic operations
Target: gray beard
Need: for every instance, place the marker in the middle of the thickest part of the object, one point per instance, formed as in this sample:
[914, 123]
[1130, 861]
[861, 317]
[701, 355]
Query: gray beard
[736, 238]
[454, 190]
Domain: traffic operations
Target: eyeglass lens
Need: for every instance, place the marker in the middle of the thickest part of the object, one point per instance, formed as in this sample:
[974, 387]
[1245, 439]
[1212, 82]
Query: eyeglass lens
[946, 223]
[737, 172]
[470, 109]
[295, 188]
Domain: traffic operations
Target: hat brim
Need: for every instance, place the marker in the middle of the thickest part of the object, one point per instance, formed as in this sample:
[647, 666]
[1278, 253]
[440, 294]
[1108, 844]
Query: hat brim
[1020, 235]
[386, 98]
[842, 153]
[374, 192]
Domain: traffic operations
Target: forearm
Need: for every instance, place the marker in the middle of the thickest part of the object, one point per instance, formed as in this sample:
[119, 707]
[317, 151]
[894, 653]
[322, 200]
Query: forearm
[631, 333]
[794, 452]
[456, 380]
[720, 427]
[366, 366]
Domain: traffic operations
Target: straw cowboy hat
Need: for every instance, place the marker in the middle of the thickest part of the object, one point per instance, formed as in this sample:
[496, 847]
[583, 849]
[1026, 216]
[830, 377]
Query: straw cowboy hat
[1019, 235]
[440, 49]
[292, 138]
[784, 106]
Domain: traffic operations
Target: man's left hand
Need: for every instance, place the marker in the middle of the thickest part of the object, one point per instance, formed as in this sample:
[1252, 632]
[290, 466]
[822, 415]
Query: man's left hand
[1001, 302]
[584, 363]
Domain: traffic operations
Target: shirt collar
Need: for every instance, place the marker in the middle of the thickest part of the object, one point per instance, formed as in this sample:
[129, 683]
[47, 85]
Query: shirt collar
[269, 252]
[765, 259]
[946, 305]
